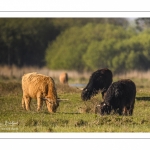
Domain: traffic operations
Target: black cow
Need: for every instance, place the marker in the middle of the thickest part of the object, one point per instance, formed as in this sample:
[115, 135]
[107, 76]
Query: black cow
[100, 80]
[119, 97]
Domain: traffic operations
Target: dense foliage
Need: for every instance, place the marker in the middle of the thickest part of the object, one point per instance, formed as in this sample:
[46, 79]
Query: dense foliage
[96, 45]
[75, 43]
[23, 41]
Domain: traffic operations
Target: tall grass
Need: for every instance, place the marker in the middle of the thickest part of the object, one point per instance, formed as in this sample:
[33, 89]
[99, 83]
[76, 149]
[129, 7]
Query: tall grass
[13, 72]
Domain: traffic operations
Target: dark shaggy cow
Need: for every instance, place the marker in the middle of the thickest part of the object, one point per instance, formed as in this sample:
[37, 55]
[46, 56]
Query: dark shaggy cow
[100, 80]
[119, 97]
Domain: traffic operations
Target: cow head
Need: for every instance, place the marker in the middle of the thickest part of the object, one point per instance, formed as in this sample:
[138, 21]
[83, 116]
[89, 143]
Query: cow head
[87, 93]
[103, 108]
[97, 82]
[51, 105]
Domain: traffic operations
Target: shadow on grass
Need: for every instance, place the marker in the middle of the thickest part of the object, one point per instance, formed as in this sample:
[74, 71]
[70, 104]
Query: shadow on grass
[59, 113]
[67, 113]
[143, 98]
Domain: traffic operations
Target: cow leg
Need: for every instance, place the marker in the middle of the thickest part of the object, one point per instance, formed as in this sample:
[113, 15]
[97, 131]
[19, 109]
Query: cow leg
[131, 110]
[125, 111]
[39, 102]
[23, 103]
[120, 111]
[27, 101]
[116, 111]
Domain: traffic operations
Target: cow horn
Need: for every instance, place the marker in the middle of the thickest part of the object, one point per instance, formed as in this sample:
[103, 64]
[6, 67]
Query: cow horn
[62, 99]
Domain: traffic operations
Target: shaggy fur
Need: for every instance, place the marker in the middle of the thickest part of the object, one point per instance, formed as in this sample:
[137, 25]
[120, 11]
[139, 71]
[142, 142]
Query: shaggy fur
[63, 78]
[40, 87]
[119, 97]
[100, 80]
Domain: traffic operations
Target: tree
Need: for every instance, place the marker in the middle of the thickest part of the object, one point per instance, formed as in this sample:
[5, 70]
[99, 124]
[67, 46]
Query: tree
[25, 40]
[87, 47]
[142, 23]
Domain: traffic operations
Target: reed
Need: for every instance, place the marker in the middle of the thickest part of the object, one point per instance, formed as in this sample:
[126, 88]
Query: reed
[16, 72]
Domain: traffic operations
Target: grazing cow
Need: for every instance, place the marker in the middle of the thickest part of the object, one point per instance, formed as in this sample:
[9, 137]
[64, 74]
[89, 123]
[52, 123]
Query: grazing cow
[40, 87]
[119, 97]
[100, 80]
[63, 78]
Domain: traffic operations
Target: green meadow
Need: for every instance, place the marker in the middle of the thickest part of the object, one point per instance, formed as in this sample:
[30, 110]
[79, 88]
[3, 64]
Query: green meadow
[73, 114]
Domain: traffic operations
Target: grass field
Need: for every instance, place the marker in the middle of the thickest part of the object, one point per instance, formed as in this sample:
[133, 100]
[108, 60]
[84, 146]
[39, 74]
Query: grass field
[73, 115]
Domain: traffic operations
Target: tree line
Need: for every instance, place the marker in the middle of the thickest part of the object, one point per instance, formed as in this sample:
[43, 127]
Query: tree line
[76, 43]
